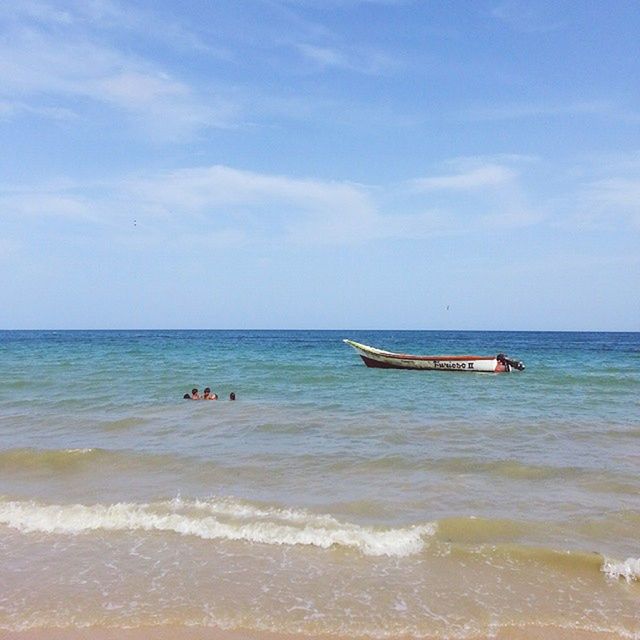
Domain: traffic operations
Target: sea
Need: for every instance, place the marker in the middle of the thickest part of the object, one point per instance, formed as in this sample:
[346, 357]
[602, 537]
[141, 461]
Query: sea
[327, 499]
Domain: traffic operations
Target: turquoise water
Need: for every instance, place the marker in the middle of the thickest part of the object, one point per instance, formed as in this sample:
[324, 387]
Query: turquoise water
[327, 489]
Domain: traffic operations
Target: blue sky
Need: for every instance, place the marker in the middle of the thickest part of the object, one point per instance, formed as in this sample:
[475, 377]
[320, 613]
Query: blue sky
[320, 164]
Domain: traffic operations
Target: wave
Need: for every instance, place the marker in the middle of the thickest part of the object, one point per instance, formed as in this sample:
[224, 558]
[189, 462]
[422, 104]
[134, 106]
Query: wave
[500, 540]
[476, 530]
[228, 519]
[47, 459]
[506, 468]
[523, 554]
[86, 460]
[223, 519]
[629, 569]
[123, 424]
[512, 469]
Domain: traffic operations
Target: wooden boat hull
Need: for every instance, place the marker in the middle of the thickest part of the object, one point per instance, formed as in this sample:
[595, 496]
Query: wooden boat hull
[380, 359]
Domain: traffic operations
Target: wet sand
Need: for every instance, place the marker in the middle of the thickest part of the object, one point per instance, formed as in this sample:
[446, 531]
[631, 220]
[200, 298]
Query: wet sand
[209, 633]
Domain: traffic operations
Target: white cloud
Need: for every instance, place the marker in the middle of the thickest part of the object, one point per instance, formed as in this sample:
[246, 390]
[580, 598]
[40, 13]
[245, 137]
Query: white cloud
[219, 186]
[11, 108]
[487, 175]
[604, 193]
[294, 210]
[103, 16]
[512, 217]
[609, 200]
[9, 248]
[620, 192]
[40, 64]
[526, 17]
[35, 11]
[366, 62]
[264, 206]
[324, 56]
[482, 193]
[246, 206]
[517, 111]
[322, 4]
[38, 203]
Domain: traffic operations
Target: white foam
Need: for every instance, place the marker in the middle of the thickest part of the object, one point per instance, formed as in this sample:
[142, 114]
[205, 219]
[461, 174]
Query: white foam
[233, 508]
[216, 520]
[629, 569]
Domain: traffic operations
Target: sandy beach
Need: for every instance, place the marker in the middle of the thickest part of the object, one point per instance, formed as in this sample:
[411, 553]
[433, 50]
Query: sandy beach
[191, 633]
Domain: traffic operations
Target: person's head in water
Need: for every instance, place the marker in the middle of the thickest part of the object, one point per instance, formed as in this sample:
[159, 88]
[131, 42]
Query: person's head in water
[208, 395]
[232, 396]
[186, 396]
[194, 394]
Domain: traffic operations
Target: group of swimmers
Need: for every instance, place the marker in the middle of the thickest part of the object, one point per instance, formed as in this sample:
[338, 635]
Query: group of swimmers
[206, 395]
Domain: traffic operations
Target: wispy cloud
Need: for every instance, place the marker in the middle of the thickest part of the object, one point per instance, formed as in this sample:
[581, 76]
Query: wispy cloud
[50, 201]
[366, 62]
[517, 111]
[342, 3]
[526, 17]
[37, 11]
[256, 207]
[109, 62]
[608, 200]
[473, 195]
[487, 175]
[306, 211]
[604, 194]
[40, 204]
[233, 207]
[11, 108]
[483, 193]
[219, 186]
[100, 16]
[50, 57]
[621, 192]
[262, 205]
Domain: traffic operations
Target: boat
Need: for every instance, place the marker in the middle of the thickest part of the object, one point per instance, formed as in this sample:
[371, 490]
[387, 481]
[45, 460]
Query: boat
[380, 359]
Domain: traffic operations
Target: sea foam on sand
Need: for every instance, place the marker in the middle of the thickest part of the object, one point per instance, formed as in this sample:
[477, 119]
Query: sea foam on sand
[629, 569]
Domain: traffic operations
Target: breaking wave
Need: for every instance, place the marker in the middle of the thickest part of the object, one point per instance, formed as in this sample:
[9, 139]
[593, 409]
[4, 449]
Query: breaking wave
[213, 519]
[629, 569]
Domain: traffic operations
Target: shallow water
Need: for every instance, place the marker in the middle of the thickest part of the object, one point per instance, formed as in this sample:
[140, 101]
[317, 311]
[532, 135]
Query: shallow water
[329, 498]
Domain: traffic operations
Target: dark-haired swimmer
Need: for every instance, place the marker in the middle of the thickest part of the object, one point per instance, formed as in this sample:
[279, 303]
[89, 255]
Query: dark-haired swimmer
[232, 396]
[195, 395]
[208, 395]
[186, 396]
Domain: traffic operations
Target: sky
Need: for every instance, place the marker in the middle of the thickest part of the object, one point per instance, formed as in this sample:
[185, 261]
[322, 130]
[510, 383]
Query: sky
[348, 164]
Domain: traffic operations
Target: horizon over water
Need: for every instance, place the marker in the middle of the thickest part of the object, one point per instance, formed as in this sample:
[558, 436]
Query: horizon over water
[328, 498]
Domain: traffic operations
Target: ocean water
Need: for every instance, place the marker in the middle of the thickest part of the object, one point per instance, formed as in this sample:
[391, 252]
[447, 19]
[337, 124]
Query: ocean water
[329, 498]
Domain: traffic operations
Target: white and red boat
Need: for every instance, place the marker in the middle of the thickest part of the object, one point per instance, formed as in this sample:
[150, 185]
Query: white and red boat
[380, 359]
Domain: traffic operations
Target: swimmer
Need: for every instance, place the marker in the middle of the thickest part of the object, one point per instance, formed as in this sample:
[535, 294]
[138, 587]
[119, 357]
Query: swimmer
[195, 395]
[208, 395]
[232, 396]
[186, 396]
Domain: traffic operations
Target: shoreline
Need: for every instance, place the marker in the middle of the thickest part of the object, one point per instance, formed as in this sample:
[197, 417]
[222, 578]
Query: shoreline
[173, 632]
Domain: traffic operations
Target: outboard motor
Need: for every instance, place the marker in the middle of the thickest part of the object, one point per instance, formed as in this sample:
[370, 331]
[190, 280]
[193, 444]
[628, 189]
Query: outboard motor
[509, 363]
